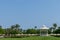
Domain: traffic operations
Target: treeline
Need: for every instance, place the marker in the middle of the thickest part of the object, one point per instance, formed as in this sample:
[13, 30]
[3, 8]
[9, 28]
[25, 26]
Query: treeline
[15, 29]
[55, 29]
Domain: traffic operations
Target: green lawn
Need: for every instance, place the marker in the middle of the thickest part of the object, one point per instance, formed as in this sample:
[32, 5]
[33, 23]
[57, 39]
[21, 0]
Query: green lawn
[32, 38]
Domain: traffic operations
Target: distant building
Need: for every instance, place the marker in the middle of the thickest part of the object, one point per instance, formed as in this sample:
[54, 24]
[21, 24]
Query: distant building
[44, 31]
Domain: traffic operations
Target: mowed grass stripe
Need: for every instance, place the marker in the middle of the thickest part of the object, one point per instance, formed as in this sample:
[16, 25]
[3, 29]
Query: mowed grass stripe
[32, 38]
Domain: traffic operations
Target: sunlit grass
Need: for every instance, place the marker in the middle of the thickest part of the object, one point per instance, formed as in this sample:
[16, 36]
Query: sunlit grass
[32, 38]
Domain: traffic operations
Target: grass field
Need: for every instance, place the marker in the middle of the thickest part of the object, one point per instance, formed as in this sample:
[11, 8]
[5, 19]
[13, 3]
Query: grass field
[32, 38]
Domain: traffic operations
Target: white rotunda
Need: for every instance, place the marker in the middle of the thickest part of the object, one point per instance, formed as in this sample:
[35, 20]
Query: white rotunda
[44, 31]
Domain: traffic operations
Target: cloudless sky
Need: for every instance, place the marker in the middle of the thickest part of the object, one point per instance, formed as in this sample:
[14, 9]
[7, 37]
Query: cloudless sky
[29, 13]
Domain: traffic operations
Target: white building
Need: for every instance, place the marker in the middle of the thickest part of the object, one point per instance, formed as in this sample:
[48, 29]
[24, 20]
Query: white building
[44, 31]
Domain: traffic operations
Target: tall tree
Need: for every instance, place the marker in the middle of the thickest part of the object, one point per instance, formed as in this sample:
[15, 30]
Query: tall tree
[35, 27]
[50, 30]
[54, 26]
[17, 26]
[12, 27]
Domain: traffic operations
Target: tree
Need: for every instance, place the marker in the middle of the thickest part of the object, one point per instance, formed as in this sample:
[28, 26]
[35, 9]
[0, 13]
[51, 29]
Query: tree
[50, 30]
[35, 27]
[7, 31]
[17, 26]
[38, 31]
[13, 30]
[24, 32]
[12, 27]
[1, 30]
[57, 31]
[31, 31]
[54, 26]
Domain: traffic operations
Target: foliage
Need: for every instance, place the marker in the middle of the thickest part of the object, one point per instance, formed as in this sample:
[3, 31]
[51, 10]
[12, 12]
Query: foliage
[38, 31]
[35, 27]
[57, 31]
[31, 31]
[14, 29]
[1, 30]
[54, 26]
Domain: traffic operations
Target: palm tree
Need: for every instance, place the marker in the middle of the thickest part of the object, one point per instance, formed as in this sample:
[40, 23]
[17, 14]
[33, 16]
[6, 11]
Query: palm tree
[12, 27]
[35, 27]
[51, 30]
[17, 26]
[54, 26]
[15, 29]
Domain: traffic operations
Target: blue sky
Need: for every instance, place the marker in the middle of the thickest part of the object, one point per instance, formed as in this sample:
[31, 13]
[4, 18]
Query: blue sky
[29, 13]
